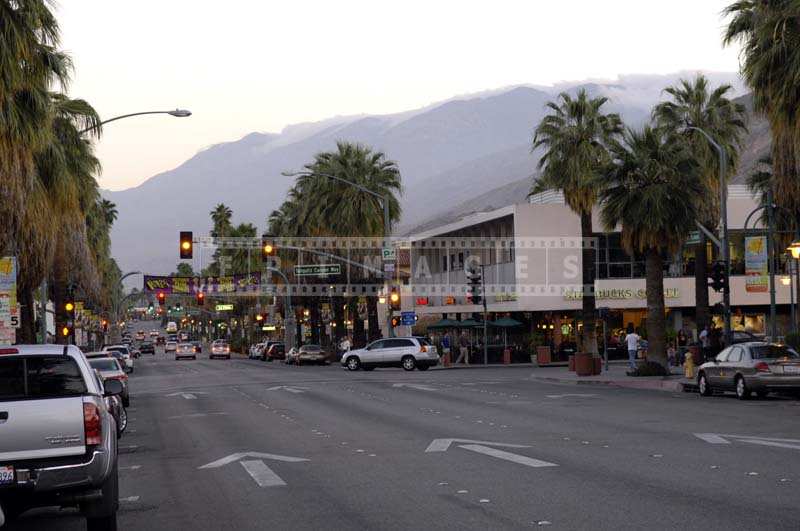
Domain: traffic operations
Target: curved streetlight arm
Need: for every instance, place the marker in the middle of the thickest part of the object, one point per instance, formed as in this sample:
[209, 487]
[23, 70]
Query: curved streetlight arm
[180, 113]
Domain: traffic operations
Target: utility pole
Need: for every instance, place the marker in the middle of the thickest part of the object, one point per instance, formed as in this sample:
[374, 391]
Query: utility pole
[485, 315]
[773, 329]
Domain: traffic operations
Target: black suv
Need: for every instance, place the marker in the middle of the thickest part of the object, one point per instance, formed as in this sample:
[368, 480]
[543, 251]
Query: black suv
[146, 347]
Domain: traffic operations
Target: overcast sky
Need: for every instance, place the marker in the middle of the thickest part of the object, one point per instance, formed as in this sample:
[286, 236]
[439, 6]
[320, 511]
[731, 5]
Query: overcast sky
[258, 65]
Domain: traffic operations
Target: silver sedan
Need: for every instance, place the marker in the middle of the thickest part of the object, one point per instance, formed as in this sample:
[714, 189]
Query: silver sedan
[753, 367]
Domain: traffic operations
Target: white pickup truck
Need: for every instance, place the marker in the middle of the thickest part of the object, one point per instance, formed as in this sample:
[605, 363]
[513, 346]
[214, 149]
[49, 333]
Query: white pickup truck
[58, 440]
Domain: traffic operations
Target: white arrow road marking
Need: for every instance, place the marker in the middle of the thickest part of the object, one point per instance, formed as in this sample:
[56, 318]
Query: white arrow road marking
[195, 415]
[235, 457]
[722, 438]
[418, 387]
[569, 395]
[188, 396]
[441, 445]
[262, 474]
[507, 456]
[712, 438]
[288, 388]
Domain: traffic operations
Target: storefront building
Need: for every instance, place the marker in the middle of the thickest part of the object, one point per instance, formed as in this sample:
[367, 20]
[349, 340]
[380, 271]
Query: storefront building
[530, 258]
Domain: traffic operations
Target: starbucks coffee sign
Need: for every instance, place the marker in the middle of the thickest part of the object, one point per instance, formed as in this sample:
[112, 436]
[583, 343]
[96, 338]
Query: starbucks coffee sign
[620, 294]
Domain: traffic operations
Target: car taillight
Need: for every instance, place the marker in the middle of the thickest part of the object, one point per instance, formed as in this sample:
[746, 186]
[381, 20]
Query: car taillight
[120, 377]
[762, 367]
[8, 351]
[423, 348]
[92, 427]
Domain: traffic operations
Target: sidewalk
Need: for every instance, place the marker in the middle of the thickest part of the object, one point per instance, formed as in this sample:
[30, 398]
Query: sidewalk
[616, 377]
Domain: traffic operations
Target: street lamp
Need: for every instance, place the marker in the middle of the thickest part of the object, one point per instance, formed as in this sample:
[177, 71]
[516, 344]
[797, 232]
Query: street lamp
[178, 113]
[723, 213]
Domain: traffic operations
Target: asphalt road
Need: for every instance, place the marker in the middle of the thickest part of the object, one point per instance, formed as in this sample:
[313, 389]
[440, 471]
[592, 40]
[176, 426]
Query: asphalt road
[358, 450]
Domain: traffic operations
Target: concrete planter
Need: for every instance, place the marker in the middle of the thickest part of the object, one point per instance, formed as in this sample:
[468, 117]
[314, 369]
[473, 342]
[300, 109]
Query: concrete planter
[584, 364]
[543, 355]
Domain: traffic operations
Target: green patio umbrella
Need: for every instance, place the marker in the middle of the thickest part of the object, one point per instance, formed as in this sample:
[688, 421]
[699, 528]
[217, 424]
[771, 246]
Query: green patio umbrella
[505, 323]
[444, 323]
[469, 323]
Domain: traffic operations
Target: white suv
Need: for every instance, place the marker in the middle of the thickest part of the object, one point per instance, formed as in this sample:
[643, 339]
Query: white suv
[405, 352]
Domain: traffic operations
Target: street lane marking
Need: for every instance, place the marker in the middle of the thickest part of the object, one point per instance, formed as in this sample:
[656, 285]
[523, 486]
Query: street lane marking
[187, 396]
[132, 467]
[258, 455]
[722, 438]
[289, 388]
[262, 474]
[441, 445]
[130, 499]
[418, 387]
[507, 456]
[196, 415]
[712, 438]
[770, 443]
[568, 395]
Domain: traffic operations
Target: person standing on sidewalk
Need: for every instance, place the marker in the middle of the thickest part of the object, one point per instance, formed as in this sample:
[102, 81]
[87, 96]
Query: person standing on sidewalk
[632, 342]
[446, 344]
[463, 343]
[705, 343]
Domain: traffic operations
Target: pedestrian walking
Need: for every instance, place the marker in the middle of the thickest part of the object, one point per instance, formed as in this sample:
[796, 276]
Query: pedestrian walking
[632, 342]
[446, 344]
[463, 343]
[705, 343]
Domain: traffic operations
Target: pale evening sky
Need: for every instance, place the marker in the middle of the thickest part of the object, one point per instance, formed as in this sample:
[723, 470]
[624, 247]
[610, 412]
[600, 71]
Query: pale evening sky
[258, 65]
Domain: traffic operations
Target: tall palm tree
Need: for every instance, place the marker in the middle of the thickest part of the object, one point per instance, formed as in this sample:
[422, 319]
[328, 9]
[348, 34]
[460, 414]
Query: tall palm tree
[575, 136]
[29, 66]
[332, 208]
[651, 191]
[221, 218]
[694, 104]
[769, 34]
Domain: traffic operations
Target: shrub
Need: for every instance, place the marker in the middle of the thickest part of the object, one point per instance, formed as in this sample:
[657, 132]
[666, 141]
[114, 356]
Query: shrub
[649, 368]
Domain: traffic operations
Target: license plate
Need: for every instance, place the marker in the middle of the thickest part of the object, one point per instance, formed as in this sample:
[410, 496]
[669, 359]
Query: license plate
[791, 369]
[6, 475]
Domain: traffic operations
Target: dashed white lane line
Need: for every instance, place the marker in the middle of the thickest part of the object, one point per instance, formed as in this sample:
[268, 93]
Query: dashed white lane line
[129, 499]
[132, 467]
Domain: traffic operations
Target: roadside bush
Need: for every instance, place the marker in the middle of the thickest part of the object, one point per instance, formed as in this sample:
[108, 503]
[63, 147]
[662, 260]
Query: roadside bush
[649, 368]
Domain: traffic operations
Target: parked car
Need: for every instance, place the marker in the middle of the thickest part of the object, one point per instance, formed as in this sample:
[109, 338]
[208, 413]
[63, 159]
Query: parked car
[406, 352]
[147, 347]
[170, 346]
[118, 411]
[312, 354]
[254, 352]
[58, 439]
[110, 369]
[185, 350]
[747, 368]
[220, 349]
[123, 354]
[275, 351]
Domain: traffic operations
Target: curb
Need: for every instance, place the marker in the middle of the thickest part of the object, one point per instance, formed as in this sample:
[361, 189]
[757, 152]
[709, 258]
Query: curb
[648, 385]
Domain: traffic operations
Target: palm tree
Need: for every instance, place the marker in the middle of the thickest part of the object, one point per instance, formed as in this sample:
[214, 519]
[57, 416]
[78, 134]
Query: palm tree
[769, 33]
[221, 218]
[651, 192]
[109, 211]
[693, 104]
[329, 207]
[575, 137]
[29, 65]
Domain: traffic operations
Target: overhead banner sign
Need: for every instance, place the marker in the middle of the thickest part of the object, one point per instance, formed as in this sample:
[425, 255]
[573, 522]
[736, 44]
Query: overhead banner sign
[191, 285]
[9, 311]
[756, 264]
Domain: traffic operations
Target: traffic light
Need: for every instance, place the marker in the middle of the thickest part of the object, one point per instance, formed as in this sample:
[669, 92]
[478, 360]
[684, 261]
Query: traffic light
[200, 298]
[394, 299]
[162, 298]
[719, 277]
[66, 331]
[259, 317]
[267, 249]
[475, 286]
[186, 245]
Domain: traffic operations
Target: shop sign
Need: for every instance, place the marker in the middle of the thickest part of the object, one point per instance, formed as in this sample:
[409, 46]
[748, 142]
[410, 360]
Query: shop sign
[422, 301]
[505, 297]
[620, 294]
[755, 264]
[449, 300]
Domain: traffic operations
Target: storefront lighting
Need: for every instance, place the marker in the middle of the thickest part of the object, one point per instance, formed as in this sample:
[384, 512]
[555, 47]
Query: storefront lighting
[794, 248]
[382, 300]
[786, 280]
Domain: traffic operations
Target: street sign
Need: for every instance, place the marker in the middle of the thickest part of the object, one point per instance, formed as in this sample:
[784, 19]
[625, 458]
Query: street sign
[224, 307]
[317, 270]
[408, 318]
[694, 238]
[388, 267]
[389, 254]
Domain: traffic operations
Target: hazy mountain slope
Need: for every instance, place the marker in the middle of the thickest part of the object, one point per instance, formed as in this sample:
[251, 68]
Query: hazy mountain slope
[453, 155]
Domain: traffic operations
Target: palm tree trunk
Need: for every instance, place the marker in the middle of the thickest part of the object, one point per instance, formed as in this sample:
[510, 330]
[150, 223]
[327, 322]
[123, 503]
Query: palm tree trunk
[372, 317]
[589, 338]
[338, 318]
[656, 320]
[701, 283]
[27, 330]
[314, 317]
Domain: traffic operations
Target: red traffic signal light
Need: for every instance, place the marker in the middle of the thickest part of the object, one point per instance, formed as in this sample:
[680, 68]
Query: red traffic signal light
[186, 245]
[162, 298]
[200, 298]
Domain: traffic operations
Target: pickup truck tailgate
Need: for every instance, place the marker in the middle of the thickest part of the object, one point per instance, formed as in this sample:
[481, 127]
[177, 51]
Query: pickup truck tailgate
[34, 429]
[41, 407]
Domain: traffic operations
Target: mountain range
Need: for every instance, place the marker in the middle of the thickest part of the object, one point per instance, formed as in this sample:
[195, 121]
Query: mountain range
[466, 154]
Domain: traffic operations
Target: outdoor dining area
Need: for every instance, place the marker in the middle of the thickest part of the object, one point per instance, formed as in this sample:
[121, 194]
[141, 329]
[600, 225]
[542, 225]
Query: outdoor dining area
[487, 342]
